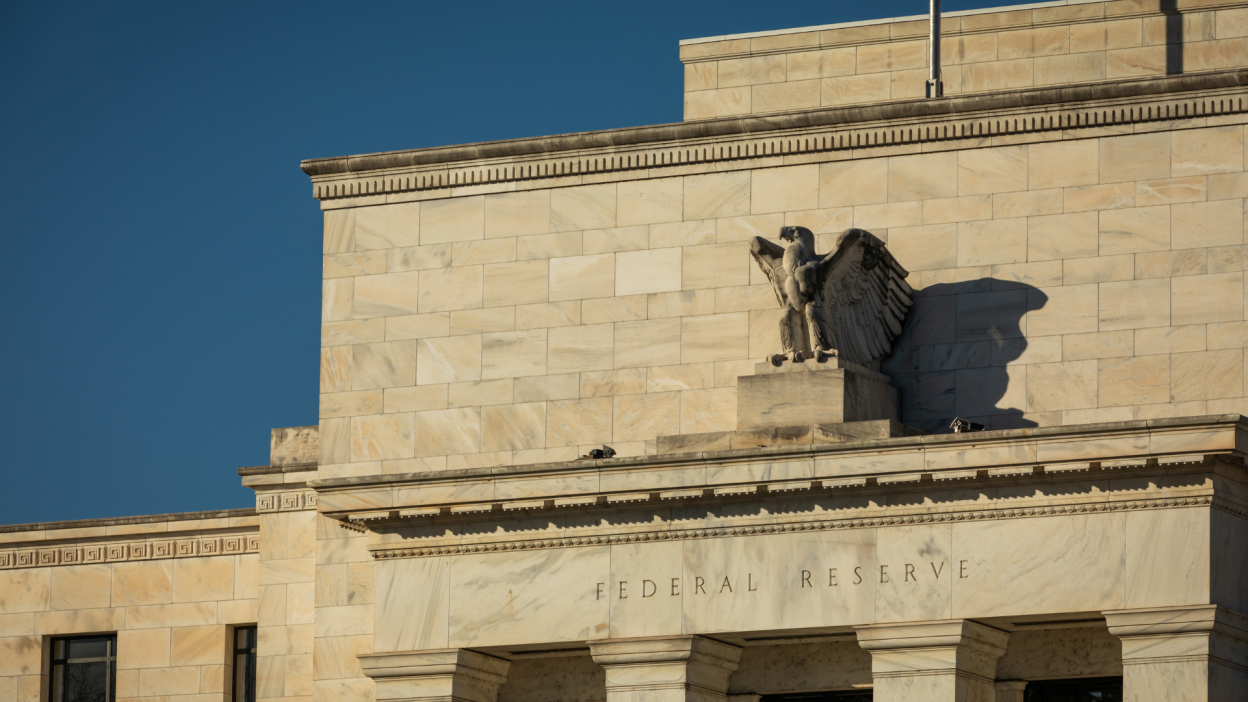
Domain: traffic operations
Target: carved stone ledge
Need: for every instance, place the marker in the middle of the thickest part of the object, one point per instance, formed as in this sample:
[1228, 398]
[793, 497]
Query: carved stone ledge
[450, 675]
[119, 551]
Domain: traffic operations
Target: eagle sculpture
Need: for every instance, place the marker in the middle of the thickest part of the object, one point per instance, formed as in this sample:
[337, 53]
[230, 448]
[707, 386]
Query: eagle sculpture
[851, 302]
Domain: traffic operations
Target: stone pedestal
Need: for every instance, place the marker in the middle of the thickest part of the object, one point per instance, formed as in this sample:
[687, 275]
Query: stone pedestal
[1193, 653]
[954, 660]
[666, 669]
[451, 675]
[811, 392]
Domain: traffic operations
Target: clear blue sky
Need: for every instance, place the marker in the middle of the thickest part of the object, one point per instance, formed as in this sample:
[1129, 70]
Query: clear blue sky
[161, 270]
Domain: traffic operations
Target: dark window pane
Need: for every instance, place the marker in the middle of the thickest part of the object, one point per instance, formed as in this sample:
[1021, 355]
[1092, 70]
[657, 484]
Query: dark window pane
[86, 682]
[245, 664]
[1074, 690]
[244, 638]
[830, 696]
[84, 669]
[88, 648]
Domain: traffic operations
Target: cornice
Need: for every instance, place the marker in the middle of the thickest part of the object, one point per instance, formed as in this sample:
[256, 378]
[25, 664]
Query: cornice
[750, 142]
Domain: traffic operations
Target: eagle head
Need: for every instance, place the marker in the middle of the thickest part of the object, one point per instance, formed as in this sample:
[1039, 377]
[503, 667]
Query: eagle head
[792, 233]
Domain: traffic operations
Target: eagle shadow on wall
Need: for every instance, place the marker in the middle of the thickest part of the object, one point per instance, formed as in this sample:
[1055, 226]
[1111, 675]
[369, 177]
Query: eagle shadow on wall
[949, 347]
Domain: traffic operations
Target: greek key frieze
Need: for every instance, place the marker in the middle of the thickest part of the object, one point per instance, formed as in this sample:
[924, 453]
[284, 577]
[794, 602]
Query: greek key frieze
[157, 549]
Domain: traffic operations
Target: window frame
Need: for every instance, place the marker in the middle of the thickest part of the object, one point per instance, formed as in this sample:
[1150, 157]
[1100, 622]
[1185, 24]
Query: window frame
[249, 674]
[110, 657]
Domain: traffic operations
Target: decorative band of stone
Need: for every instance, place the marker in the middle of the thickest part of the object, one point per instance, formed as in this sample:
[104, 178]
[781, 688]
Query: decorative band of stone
[286, 501]
[929, 672]
[156, 549]
[649, 160]
[1197, 658]
[407, 551]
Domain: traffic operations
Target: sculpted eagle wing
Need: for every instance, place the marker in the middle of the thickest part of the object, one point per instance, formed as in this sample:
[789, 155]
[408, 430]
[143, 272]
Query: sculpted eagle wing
[862, 298]
[769, 256]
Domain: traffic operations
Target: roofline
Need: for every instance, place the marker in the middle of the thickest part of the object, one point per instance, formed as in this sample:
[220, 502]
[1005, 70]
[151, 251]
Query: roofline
[118, 521]
[889, 20]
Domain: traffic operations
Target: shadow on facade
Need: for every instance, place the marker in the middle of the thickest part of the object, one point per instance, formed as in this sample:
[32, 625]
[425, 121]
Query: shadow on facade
[1174, 36]
[952, 358]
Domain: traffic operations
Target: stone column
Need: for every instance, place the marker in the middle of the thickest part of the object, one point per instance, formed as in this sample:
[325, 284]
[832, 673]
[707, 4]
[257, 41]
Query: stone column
[953, 660]
[666, 669]
[1182, 653]
[451, 675]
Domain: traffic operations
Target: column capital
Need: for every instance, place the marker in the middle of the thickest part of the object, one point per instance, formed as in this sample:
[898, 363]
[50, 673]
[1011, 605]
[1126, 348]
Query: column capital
[659, 649]
[666, 668]
[1169, 621]
[1195, 652]
[447, 675]
[951, 659]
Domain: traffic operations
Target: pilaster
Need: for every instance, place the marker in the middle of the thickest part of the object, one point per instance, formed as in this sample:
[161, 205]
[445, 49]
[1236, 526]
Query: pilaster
[953, 660]
[450, 675]
[666, 669]
[1189, 653]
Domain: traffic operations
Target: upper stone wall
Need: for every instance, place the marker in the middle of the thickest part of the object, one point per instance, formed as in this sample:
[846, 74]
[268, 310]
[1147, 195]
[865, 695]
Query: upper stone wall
[981, 51]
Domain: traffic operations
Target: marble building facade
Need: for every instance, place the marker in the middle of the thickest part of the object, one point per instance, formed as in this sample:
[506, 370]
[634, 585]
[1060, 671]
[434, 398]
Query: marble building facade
[1072, 215]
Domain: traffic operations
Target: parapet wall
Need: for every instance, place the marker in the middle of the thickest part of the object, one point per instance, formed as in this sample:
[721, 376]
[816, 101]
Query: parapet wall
[981, 51]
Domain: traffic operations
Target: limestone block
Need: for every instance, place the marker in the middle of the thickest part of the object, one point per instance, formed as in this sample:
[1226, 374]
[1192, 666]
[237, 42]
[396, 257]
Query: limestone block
[680, 304]
[337, 298]
[650, 271]
[419, 258]
[1231, 23]
[628, 381]
[155, 682]
[1027, 204]
[387, 226]
[997, 75]
[764, 332]
[1061, 386]
[482, 321]
[923, 176]
[706, 104]
[1098, 270]
[359, 331]
[443, 290]
[992, 241]
[712, 266]
[1206, 375]
[1052, 237]
[850, 90]
[578, 422]
[1204, 151]
[1135, 304]
[547, 387]
[1143, 61]
[714, 337]
[203, 579]
[335, 441]
[353, 264]
[1099, 197]
[693, 233]
[335, 369]
[751, 71]
[583, 348]
[450, 431]
[923, 248]
[380, 437]
[513, 354]
[1072, 68]
[1071, 309]
[172, 615]
[693, 376]
[515, 283]
[649, 201]
[474, 393]
[874, 58]
[955, 209]
[448, 359]
[339, 231]
[1099, 36]
[1226, 259]
[384, 365]
[513, 427]
[1063, 163]
[1200, 299]
[79, 587]
[517, 214]
[997, 170]
[1168, 264]
[1112, 344]
[701, 76]
[1133, 381]
[350, 404]
[1135, 157]
[472, 253]
[1135, 230]
[583, 207]
[856, 182]
[645, 416]
[631, 238]
[784, 189]
[558, 245]
[827, 63]
[196, 645]
[580, 277]
[1172, 190]
[745, 298]
[813, 393]
[386, 295]
[1227, 335]
[1029, 43]
[144, 648]
[548, 314]
[454, 219]
[887, 216]
[655, 342]
[1217, 223]
[708, 410]
[335, 657]
[629, 308]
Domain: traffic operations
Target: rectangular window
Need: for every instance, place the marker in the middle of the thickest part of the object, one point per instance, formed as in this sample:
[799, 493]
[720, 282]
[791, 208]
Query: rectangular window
[84, 669]
[245, 664]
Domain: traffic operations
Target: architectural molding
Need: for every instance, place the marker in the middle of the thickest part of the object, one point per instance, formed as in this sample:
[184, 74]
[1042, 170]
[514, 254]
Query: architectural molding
[1077, 111]
[123, 551]
[286, 501]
